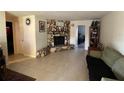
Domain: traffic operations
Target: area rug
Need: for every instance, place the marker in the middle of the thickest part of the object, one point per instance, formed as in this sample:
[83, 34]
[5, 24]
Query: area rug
[15, 76]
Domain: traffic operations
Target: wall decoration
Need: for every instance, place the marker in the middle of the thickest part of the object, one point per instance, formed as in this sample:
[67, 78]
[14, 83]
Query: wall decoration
[28, 21]
[41, 26]
[60, 23]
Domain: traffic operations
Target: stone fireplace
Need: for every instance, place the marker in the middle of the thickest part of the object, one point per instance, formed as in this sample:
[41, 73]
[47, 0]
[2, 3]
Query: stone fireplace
[58, 37]
[58, 33]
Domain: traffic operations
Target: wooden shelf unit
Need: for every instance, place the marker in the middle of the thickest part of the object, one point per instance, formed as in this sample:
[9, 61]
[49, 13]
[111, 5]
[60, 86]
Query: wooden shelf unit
[94, 36]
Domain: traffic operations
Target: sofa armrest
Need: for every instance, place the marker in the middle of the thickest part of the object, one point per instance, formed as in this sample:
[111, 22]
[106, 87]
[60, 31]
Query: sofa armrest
[108, 79]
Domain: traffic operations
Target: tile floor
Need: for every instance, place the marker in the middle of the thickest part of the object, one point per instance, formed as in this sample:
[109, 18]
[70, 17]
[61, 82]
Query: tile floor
[67, 65]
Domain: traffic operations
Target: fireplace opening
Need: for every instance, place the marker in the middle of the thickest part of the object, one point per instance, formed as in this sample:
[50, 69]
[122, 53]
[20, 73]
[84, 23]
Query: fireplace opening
[59, 40]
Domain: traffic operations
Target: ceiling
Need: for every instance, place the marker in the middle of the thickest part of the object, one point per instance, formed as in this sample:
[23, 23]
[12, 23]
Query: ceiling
[63, 15]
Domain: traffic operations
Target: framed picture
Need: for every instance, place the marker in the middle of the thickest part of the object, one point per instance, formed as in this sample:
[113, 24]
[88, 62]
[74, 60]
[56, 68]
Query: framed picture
[41, 26]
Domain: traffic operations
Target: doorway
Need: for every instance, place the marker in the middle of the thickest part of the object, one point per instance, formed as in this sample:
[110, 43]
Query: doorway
[81, 36]
[10, 44]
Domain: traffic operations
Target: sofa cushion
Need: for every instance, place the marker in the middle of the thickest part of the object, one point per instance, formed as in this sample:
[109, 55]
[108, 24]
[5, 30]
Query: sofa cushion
[110, 55]
[118, 68]
[95, 53]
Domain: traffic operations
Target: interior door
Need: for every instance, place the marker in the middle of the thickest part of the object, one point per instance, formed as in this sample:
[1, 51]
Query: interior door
[10, 43]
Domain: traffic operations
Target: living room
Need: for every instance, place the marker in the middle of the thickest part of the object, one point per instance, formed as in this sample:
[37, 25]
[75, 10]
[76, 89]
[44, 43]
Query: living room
[94, 52]
[33, 41]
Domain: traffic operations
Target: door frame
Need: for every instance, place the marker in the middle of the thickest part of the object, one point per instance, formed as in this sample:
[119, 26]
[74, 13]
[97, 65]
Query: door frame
[77, 34]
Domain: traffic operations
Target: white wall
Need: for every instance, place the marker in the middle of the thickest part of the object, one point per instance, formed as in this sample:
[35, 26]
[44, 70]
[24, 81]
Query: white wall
[3, 40]
[28, 36]
[31, 39]
[41, 37]
[112, 31]
[74, 32]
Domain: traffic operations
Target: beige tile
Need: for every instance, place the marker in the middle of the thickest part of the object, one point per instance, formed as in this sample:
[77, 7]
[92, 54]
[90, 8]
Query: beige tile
[17, 58]
[65, 65]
